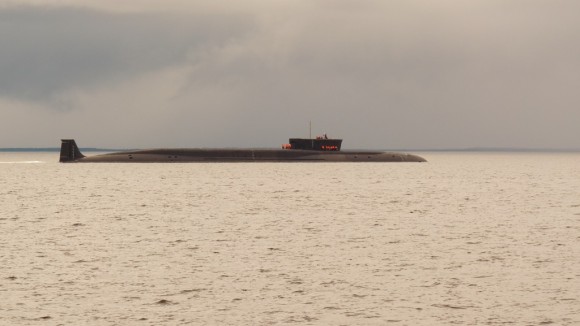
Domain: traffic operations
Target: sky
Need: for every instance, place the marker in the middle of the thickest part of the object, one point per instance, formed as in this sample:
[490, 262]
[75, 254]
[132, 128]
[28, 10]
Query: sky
[381, 74]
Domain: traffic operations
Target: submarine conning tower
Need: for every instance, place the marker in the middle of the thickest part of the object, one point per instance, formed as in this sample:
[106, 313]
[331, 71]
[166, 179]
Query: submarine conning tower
[321, 143]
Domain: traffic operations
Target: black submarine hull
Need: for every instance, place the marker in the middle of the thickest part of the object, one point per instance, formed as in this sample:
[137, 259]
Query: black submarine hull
[71, 154]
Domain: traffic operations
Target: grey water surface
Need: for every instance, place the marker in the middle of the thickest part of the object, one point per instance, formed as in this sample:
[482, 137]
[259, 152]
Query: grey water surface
[467, 239]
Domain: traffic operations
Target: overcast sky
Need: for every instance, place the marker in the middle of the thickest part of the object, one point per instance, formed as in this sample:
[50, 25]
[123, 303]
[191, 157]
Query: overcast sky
[387, 74]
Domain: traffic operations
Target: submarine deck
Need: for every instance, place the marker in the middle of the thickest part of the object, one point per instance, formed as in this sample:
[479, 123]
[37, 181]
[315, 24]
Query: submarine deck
[248, 155]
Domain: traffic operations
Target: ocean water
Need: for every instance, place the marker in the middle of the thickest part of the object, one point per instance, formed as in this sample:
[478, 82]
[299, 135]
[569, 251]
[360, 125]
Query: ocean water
[465, 239]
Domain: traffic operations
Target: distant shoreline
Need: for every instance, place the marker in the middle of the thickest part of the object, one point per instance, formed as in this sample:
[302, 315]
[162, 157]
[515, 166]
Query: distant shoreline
[54, 149]
[498, 150]
[454, 150]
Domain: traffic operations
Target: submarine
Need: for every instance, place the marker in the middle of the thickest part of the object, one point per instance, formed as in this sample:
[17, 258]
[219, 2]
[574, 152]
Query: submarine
[319, 149]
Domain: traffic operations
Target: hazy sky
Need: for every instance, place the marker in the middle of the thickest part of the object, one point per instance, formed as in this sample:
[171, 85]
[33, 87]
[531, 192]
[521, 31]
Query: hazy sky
[380, 74]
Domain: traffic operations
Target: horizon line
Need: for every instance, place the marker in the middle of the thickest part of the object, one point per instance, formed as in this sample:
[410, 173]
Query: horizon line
[460, 149]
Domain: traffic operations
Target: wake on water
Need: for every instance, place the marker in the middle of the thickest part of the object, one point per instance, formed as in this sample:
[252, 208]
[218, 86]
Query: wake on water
[22, 162]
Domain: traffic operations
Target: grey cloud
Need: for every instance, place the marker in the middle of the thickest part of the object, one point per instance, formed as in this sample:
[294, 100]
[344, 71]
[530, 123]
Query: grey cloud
[465, 74]
[380, 74]
[44, 51]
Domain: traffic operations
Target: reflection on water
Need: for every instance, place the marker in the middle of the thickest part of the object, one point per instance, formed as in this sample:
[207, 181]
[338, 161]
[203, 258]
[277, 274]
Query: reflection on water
[478, 239]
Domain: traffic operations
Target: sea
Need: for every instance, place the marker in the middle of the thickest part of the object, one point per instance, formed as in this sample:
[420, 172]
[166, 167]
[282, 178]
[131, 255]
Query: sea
[468, 238]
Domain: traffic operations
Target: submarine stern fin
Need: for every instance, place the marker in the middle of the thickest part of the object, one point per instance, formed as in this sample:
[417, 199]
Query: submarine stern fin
[69, 151]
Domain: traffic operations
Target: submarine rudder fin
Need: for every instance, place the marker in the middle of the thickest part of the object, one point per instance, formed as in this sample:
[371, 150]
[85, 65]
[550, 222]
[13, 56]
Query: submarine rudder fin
[69, 151]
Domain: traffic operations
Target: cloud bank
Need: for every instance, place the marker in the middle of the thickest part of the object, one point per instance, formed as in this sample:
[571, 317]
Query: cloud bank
[398, 74]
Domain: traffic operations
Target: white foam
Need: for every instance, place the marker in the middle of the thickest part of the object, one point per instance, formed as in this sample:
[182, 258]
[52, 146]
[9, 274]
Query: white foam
[22, 162]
